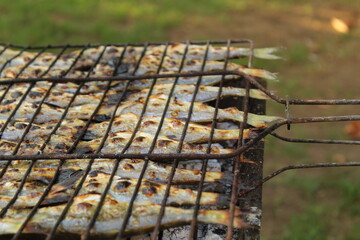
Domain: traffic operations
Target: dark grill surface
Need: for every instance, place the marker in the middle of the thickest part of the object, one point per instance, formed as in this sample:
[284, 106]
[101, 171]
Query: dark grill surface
[244, 185]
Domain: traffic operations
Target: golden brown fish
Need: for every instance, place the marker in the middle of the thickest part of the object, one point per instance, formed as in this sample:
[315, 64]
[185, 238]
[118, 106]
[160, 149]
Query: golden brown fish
[172, 128]
[110, 219]
[201, 112]
[116, 142]
[44, 170]
[204, 94]
[122, 189]
[15, 129]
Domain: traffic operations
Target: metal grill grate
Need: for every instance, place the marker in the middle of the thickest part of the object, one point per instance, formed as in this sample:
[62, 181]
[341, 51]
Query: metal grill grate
[246, 180]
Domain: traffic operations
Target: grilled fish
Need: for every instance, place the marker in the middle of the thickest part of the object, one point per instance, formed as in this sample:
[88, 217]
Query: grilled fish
[57, 144]
[116, 142]
[123, 188]
[57, 97]
[15, 129]
[204, 94]
[177, 51]
[44, 170]
[146, 83]
[172, 128]
[49, 113]
[143, 217]
[179, 109]
[28, 197]
[34, 71]
[150, 64]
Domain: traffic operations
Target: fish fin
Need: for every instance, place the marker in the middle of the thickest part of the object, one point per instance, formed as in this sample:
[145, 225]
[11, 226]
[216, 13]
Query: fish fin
[267, 53]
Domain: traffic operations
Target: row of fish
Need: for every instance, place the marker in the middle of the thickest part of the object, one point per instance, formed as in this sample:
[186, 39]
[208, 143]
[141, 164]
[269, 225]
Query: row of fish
[111, 217]
[21, 64]
[155, 106]
[59, 98]
[79, 125]
[112, 214]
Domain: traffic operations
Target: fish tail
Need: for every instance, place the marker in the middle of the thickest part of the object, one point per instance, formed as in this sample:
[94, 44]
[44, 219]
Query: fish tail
[261, 121]
[221, 217]
[258, 94]
[259, 73]
[267, 53]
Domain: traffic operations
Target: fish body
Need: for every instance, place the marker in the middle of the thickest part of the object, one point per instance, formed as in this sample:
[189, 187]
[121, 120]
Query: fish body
[15, 129]
[179, 109]
[123, 188]
[116, 142]
[57, 144]
[150, 64]
[44, 170]
[57, 97]
[171, 127]
[177, 50]
[204, 94]
[146, 83]
[143, 217]
[50, 113]
[28, 197]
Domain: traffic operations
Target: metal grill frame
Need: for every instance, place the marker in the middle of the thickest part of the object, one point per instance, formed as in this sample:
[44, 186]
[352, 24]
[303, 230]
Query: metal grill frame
[242, 147]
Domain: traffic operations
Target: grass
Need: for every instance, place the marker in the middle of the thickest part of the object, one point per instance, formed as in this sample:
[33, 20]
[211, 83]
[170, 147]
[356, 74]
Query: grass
[309, 224]
[41, 22]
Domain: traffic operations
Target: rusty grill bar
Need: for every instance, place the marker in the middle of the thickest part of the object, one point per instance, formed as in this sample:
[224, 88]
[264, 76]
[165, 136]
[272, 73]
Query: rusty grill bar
[242, 147]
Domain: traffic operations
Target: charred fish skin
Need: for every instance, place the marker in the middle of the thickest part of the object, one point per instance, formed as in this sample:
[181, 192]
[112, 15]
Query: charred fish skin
[144, 215]
[161, 172]
[15, 129]
[177, 51]
[204, 94]
[28, 197]
[171, 127]
[45, 169]
[150, 64]
[123, 188]
[116, 142]
[201, 112]
[57, 144]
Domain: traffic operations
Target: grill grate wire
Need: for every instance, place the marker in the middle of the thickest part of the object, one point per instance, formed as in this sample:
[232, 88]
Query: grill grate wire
[242, 146]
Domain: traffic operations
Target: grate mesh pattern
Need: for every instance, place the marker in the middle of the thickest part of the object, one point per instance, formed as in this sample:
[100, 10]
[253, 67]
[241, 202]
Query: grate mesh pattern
[110, 83]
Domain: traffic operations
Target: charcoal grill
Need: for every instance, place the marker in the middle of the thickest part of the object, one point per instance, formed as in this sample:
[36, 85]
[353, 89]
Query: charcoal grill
[245, 187]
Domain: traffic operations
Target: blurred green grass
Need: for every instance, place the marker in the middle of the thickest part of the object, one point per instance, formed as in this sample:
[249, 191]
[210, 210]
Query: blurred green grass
[43, 22]
[80, 21]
